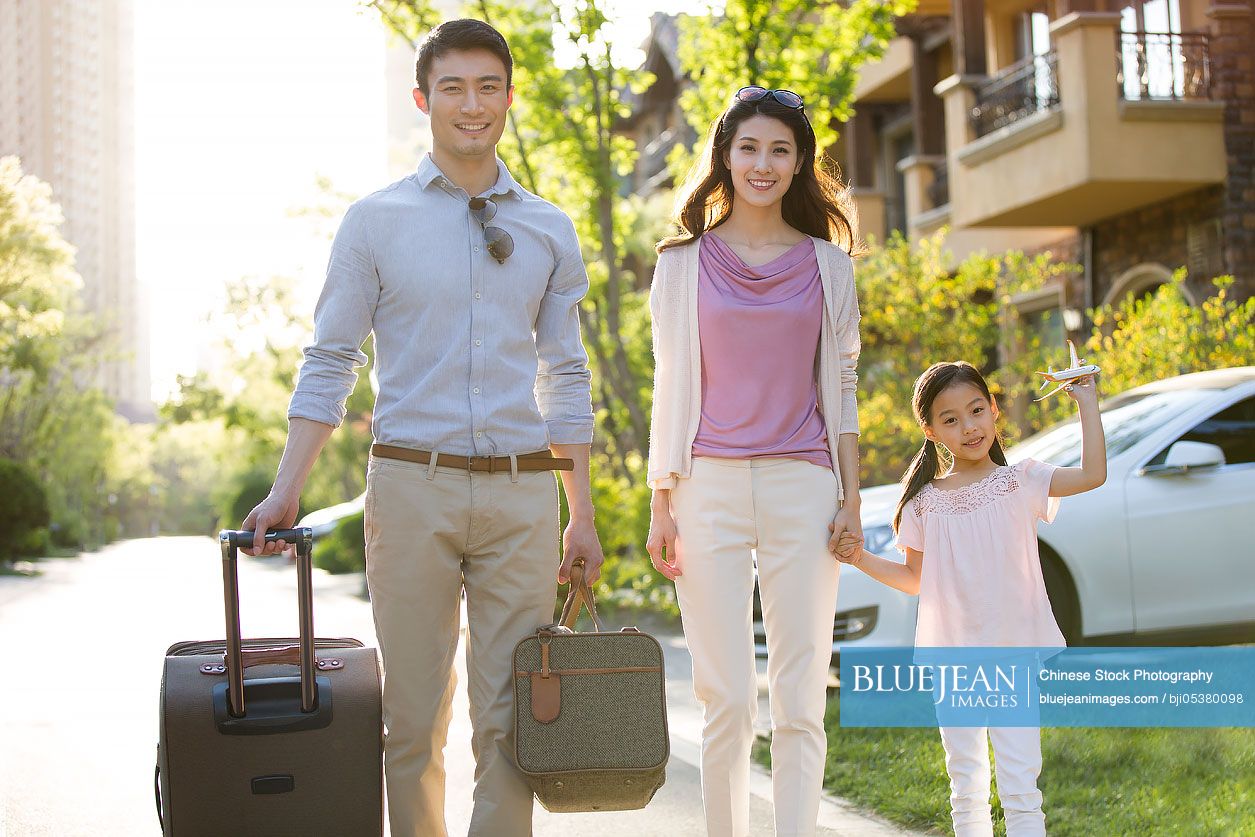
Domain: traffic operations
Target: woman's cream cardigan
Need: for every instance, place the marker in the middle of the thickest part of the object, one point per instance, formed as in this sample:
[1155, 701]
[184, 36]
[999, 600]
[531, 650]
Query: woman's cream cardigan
[677, 358]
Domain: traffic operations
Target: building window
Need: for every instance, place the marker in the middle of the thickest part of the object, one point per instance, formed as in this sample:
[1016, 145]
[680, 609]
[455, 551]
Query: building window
[1158, 61]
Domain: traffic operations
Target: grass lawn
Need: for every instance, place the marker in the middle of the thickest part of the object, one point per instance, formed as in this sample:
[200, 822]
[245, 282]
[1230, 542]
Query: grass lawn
[1105, 781]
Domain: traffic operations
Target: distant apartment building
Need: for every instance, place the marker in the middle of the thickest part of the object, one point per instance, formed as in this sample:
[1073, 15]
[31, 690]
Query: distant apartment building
[66, 109]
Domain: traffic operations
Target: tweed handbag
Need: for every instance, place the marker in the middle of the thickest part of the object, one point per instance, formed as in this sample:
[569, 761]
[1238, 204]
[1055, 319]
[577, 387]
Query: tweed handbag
[590, 712]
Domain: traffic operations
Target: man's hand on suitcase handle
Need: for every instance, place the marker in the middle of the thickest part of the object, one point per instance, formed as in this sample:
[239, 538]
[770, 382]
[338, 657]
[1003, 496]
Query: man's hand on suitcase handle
[275, 512]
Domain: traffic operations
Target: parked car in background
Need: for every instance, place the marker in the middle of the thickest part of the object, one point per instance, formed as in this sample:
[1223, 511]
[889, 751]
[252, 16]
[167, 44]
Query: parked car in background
[1162, 554]
[324, 521]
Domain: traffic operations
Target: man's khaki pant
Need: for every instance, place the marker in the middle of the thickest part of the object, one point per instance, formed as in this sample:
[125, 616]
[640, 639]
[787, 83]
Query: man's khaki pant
[780, 509]
[430, 532]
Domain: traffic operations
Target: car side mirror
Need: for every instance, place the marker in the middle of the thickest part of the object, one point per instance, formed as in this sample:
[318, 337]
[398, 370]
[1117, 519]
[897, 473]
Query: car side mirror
[1184, 457]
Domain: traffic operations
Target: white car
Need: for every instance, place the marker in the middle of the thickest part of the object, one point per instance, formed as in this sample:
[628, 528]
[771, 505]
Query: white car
[324, 521]
[1162, 554]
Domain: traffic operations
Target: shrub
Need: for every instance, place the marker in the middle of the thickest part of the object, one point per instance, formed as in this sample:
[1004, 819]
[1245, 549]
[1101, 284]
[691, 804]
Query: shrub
[26, 516]
[344, 550]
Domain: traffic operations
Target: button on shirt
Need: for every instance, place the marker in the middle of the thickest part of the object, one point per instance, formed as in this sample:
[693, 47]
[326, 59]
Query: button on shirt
[473, 357]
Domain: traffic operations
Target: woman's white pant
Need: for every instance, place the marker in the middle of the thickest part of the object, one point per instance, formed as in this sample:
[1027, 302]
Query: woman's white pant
[1017, 761]
[780, 508]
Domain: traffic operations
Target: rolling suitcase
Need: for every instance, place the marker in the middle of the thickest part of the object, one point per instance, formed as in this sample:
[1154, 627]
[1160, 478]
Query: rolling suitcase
[262, 737]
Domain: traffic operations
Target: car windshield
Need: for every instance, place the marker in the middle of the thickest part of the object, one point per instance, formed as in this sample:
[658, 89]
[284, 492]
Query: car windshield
[1126, 419]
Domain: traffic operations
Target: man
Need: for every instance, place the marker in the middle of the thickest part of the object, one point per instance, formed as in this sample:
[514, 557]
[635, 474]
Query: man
[471, 286]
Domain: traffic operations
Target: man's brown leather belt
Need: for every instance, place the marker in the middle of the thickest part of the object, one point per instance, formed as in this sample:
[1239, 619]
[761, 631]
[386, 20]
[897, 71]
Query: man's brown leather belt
[539, 461]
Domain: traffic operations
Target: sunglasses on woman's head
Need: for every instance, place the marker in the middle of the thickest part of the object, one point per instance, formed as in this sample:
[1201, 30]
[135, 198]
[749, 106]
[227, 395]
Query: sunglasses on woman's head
[499, 243]
[754, 93]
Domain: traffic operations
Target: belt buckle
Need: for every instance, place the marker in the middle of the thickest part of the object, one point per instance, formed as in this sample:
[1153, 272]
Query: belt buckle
[477, 463]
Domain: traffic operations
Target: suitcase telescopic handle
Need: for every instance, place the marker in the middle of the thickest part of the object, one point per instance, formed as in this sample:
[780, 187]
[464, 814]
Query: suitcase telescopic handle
[231, 542]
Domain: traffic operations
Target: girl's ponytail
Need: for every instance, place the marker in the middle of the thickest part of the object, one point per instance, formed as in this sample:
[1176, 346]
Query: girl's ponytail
[920, 472]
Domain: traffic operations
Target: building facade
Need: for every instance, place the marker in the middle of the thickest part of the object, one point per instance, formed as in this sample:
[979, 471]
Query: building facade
[1117, 135]
[66, 109]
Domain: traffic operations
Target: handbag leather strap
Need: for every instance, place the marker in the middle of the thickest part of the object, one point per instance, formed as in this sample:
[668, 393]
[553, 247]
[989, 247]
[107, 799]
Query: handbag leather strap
[579, 594]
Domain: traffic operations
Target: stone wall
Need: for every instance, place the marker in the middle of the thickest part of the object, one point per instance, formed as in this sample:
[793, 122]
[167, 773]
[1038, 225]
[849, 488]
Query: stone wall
[1163, 234]
[1233, 82]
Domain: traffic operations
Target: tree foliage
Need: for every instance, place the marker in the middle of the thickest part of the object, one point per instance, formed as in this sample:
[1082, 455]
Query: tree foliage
[917, 308]
[52, 418]
[262, 329]
[26, 512]
[1142, 339]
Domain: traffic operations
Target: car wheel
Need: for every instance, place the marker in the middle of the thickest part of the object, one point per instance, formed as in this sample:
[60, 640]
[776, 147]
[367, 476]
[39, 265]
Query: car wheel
[1062, 594]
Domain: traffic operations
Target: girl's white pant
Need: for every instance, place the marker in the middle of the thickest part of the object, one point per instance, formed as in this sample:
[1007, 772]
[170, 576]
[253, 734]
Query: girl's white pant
[1017, 762]
[780, 508]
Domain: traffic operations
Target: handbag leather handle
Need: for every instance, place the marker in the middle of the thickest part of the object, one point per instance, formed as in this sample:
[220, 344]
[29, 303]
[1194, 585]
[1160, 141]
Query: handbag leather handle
[579, 594]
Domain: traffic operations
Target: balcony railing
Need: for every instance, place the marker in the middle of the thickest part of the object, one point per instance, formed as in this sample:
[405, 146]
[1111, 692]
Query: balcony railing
[1023, 89]
[1156, 65]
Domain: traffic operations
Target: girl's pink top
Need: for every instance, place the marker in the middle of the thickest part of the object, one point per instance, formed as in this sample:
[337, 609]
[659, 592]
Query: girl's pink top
[759, 333]
[981, 582]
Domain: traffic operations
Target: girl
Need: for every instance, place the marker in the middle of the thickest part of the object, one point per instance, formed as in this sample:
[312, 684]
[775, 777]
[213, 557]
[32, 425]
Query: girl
[754, 442]
[981, 584]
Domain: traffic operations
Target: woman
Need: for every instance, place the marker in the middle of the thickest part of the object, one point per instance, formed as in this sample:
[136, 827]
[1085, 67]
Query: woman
[754, 442]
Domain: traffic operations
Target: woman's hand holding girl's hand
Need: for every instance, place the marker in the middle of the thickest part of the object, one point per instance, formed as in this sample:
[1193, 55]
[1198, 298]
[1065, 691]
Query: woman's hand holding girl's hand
[849, 549]
[847, 520]
[660, 544]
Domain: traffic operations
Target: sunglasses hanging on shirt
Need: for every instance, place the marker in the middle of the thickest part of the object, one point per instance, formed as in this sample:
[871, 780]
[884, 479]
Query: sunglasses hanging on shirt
[499, 243]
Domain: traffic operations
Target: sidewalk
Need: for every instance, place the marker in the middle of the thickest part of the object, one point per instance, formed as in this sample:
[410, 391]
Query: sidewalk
[78, 720]
[676, 810]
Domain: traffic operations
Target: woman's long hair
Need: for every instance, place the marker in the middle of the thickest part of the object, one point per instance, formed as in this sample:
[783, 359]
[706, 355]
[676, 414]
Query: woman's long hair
[926, 464]
[816, 202]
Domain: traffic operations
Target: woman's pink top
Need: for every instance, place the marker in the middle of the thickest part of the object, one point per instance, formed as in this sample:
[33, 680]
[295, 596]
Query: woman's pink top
[981, 581]
[759, 332]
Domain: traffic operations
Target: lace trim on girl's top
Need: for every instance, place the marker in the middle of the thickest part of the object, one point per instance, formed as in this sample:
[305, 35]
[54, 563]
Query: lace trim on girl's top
[997, 483]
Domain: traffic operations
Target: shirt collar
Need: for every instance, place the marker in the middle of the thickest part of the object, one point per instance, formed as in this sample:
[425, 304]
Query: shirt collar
[428, 172]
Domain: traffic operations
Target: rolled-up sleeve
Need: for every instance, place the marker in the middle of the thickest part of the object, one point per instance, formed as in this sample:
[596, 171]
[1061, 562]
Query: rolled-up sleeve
[342, 321]
[563, 382]
[849, 345]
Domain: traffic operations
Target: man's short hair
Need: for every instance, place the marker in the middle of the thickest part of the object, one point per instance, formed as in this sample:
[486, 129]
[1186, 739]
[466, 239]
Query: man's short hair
[462, 34]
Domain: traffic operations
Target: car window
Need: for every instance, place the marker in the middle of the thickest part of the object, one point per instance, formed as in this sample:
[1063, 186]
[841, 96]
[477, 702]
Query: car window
[1232, 430]
[1126, 420]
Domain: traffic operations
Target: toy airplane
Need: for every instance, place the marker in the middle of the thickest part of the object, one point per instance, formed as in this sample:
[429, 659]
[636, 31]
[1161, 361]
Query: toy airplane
[1065, 377]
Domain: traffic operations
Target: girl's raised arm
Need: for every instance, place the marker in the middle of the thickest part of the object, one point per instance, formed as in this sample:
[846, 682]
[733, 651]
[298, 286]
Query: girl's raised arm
[1093, 470]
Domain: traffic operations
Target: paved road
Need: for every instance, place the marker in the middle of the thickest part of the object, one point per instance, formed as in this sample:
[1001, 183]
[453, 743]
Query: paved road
[83, 644]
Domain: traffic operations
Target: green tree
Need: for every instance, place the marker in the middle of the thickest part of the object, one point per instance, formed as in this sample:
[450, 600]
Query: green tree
[917, 309]
[244, 402]
[38, 282]
[26, 515]
[51, 418]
